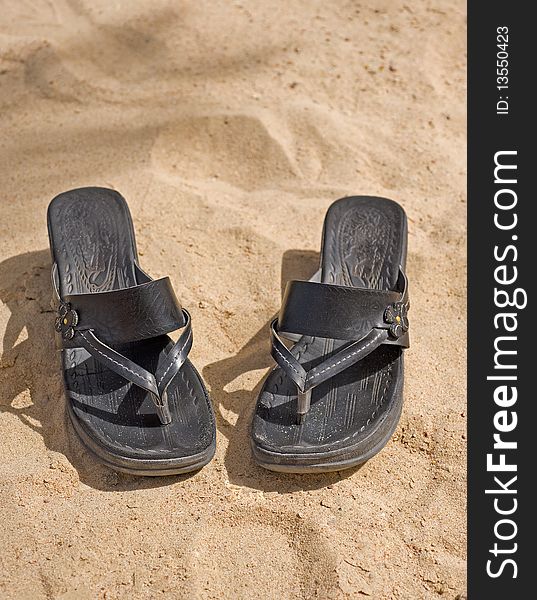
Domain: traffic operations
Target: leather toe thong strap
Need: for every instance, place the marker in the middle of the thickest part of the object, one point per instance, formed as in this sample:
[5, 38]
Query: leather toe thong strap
[176, 356]
[156, 384]
[117, 362]
[286, 360]
[346, 357]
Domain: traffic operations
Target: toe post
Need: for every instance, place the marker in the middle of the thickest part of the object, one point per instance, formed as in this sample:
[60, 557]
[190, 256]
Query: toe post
[303, 405]
[163, 409]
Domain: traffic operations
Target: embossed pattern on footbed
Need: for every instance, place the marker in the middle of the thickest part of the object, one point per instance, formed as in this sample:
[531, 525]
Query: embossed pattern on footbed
[92, 242]
[364, 242]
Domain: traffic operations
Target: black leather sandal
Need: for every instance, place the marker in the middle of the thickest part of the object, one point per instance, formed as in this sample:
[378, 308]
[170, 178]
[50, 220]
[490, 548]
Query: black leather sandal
[334, 399]
[133, 396]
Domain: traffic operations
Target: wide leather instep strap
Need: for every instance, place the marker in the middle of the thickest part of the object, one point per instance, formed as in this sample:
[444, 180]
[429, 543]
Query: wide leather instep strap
[336, 311]
[333, 311]
[129, 314]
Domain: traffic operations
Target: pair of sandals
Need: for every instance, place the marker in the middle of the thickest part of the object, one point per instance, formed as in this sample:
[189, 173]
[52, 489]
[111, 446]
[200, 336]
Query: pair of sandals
[137, 402]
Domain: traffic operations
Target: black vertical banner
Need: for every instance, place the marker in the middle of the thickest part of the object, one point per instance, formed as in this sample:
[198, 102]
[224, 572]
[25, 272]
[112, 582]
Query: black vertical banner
[502, 325]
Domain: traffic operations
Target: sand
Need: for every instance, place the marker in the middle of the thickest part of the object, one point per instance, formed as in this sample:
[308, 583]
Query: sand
[230, 127]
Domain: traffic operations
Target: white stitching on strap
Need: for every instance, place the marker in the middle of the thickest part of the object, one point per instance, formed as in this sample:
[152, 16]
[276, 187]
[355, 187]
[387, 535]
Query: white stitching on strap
[114, 361]
[349, 356]
[292, 367]
[178, 352]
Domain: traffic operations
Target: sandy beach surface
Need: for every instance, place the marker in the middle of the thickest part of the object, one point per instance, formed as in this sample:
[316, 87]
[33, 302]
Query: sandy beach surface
[230, 127]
